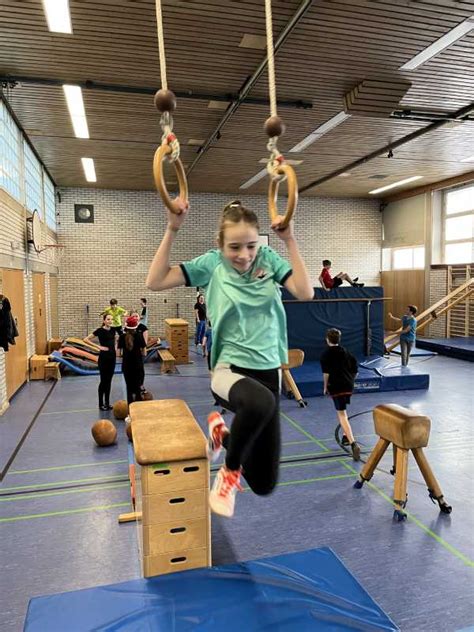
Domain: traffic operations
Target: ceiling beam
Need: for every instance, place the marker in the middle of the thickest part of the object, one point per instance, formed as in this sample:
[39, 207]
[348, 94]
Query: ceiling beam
[250, 82]
[12, 81]
[459, 115]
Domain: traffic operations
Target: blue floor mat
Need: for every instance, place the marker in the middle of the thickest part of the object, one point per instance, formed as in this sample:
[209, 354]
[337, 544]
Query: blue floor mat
[460, 348]
[296, 592]
[375, 375]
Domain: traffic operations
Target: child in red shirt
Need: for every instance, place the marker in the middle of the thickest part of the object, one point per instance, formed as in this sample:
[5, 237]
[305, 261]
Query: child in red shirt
[329, 282]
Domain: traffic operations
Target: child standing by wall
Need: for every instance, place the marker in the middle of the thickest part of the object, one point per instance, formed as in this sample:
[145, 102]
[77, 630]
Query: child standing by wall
[408, 334]
[200, 312]
[117, 314]
[207, 344]
[133, 348]
[249, 343]
[339, 372]
[107, 341]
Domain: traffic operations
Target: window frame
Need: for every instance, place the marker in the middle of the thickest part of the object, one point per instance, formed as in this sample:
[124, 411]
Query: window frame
[445, 216]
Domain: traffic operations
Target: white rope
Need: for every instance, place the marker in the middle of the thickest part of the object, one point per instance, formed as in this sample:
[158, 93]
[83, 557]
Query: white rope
[271, 60]
[161, 45]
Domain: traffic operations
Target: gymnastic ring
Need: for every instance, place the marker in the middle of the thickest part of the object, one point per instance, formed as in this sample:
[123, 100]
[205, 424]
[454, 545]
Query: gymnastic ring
[289, 172]
[160, 155]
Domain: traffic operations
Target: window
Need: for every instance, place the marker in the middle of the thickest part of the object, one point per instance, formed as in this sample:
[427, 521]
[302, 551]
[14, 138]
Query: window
[10, 154]
[33, 181]
[412, 258]
[458, 225]
[49, 202]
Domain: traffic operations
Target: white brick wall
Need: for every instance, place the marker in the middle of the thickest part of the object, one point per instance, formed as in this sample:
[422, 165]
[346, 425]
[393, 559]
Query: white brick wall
[110, 258]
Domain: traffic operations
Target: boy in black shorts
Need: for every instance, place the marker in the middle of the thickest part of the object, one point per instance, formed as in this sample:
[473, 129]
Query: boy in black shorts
[339, 371]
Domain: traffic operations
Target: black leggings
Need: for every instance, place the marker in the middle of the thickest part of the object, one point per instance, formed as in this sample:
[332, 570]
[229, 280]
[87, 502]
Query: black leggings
[106, 368]
[254, 441]
[133, 380]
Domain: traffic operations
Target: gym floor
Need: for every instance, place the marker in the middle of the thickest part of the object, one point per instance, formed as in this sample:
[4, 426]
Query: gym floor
[61, 497]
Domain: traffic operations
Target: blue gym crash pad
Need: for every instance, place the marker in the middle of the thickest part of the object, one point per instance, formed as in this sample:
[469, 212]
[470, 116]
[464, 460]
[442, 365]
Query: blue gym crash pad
[296, 592]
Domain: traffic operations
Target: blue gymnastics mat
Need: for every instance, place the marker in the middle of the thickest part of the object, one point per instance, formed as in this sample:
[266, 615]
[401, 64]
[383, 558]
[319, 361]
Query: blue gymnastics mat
[374, 375]
[296, 592]
[460, 348]
[415, 352]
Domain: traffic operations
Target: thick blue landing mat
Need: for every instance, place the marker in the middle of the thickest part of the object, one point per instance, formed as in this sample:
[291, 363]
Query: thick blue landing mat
[375, 375]
[416, 351]
[310, 590]
[461, 348]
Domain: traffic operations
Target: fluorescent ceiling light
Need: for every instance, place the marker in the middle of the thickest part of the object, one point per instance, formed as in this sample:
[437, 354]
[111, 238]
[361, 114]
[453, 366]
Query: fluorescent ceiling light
[261, 174]
[89, 169]
[58, 16]
[470, 159]
[320, 131]
[395, 184]
[443, 42]
[77, 112]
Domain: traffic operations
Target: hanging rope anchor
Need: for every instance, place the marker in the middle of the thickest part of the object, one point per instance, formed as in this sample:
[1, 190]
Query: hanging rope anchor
[274, 127]
[169, 150]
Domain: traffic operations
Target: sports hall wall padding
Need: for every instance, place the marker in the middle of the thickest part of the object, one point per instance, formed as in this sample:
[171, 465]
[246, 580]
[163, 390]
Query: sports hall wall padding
[360, 321]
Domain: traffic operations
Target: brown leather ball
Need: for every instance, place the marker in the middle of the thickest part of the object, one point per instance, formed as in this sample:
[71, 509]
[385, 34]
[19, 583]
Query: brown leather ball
[274, 126]
[104, 432]
[120, 409]
[165, 101]
[147, 396]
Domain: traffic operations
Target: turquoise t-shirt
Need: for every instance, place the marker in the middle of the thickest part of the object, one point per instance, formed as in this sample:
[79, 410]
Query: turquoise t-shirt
[246, 310]
[410, 335]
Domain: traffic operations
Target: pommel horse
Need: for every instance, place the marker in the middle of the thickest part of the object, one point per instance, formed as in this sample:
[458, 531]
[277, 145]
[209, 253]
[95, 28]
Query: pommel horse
[407, 430]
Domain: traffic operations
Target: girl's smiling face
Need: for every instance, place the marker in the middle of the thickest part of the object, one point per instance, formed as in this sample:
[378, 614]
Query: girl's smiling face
[240, 245]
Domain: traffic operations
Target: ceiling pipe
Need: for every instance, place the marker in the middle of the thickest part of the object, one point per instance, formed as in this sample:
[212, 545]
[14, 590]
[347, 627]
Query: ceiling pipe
[12, 81]
[459, 115]
[249, 84]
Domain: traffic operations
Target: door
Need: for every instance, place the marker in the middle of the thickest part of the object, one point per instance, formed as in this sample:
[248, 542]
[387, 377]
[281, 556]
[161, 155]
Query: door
[53, 298]
[16, 361]
[39, 311]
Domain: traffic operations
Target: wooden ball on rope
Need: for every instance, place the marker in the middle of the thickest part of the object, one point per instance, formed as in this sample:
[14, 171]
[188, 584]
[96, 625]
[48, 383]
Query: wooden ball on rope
[165, 101]
[274, 126]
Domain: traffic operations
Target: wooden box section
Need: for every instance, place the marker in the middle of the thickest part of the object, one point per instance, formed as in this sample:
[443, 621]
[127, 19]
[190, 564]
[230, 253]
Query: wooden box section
[51, 371]
[165, 430]
[174, 506]
[54, 344]
[175, 561]
[177, 335]
[182, 535]
[175, 476]
[37, 364]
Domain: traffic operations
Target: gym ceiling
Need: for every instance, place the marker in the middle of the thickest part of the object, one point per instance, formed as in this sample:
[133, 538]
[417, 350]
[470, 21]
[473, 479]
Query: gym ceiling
[334, 58]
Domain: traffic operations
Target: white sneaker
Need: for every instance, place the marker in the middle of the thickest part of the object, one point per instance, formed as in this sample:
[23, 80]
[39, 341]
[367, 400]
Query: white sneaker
[222, 496]
[217, 429]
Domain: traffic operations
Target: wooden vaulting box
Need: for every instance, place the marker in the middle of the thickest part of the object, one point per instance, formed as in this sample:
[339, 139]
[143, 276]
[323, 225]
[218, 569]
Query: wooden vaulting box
[172, 487]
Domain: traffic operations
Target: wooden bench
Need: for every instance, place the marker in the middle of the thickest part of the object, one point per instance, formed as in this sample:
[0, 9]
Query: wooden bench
[168, 361]
[51, 371]
[172, 487]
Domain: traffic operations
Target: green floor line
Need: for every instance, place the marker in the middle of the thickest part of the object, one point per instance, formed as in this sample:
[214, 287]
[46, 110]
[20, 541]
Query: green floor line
[416, 521]
[39, 494]
[59, 483]
[305, 481]
[303, 431]
[67, 467]
[66, 512]
[297, 442]
[63, 412]
[303, 455]
[322, 462]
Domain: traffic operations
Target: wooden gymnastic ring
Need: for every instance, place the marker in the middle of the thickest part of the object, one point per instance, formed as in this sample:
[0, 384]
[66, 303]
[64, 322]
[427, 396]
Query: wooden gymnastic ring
[290, 174]
[161, 153]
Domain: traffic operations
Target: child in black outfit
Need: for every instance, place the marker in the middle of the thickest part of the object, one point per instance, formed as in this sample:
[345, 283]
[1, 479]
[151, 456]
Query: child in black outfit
[339, 372]
[106, 336]
[133, 347]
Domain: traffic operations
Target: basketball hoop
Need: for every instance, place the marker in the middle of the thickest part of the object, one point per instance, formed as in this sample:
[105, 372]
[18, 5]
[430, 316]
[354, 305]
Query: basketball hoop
[55, 255]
